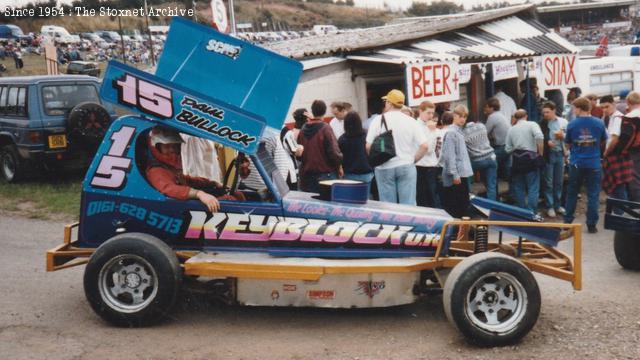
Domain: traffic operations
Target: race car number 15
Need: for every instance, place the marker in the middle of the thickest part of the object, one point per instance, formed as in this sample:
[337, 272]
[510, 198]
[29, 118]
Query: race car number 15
[113, 167]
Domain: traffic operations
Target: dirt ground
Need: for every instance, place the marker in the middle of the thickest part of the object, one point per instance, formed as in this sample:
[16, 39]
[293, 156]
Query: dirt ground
[45, 316]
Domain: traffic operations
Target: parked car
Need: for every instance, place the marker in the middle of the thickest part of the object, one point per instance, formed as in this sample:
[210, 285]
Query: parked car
[59, 34]
[622, 217]
[109, 36]
[13, 32]
[50, 122]
[83, 68]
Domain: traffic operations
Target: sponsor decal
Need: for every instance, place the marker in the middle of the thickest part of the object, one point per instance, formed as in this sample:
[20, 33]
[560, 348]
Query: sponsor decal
[170, 104]
[223, 48]
[321, 294]
[289, 287]
[275, 295]
[289, 231]
[370, 288]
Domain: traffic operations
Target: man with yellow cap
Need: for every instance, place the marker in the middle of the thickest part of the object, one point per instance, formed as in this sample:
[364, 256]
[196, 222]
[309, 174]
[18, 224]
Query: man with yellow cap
[396, 178]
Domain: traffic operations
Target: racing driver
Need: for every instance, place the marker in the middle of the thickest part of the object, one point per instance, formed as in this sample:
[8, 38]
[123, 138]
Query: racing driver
[164, 172]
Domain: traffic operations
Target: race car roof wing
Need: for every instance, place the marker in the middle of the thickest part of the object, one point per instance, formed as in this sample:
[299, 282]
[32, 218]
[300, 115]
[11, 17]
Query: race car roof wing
[209, 85]
[228, 69]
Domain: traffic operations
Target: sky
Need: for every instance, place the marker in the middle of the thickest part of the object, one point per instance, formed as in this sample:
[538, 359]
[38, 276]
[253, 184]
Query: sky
[397, 4]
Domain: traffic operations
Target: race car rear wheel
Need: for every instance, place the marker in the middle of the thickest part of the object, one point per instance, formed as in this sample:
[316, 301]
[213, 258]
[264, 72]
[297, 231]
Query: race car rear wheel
[626, 246]
[132, 280]
[492, 298]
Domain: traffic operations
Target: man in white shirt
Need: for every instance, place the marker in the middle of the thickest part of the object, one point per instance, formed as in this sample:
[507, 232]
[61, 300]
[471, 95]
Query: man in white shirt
[427, 168]
[339, 110]
[507, 105]
[396, 178]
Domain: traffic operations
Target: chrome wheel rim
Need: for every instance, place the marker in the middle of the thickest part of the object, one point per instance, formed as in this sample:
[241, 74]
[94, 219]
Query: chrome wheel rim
[128, 283]
[496, 302]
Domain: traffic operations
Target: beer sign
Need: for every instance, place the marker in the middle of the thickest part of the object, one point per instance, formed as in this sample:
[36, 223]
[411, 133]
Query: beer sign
[433, 81]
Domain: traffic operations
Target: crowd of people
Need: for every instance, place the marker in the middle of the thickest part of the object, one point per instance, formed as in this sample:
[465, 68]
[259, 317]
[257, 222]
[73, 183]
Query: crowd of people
[438, 155]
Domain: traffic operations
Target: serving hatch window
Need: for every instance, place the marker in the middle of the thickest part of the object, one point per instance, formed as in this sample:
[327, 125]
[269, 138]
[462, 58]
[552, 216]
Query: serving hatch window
[60, 99]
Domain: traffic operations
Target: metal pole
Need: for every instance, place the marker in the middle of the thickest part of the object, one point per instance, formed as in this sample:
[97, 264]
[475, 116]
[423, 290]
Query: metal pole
[232, 14]
[124, 57]
[146, 17]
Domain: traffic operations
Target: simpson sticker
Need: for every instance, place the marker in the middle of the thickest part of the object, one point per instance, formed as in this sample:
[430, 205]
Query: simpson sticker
[321, 294]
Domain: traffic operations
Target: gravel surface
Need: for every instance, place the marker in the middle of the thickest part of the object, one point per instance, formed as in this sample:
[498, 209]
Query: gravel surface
[45, 316]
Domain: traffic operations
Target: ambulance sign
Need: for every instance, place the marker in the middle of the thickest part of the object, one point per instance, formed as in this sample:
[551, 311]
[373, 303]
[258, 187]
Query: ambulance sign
[433, 81]
[559, 71]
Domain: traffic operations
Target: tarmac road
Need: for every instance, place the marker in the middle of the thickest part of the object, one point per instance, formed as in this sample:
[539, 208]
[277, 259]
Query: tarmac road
[45, 316]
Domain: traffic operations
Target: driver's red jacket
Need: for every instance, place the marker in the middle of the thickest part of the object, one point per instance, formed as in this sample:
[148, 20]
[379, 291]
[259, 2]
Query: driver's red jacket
[173, 183]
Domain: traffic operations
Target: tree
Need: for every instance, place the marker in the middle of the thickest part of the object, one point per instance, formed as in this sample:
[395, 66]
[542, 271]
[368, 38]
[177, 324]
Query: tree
[441, 7]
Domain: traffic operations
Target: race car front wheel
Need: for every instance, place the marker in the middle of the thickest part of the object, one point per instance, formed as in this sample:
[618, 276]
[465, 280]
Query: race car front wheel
[132, 280]
[492, 298]
[626, 246]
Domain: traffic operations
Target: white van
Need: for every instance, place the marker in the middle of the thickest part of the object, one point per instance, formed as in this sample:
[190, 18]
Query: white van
[608, 75]
[59, 34]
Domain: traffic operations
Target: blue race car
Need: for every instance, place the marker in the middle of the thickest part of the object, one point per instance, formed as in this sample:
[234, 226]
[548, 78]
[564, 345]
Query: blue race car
[143, 229]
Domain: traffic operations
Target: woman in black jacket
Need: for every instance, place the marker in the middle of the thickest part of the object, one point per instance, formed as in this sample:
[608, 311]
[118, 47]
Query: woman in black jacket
[352, 144]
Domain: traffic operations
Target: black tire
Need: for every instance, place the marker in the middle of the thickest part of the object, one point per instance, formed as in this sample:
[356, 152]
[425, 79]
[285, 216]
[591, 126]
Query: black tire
[626, 246]
[11, 166]
[86, 125]
[132, 280]
[492, 283]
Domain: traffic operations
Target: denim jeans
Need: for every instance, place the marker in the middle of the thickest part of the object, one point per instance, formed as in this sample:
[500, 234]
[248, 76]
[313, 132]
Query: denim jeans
[577, 176]
[504, 162]
[398, 184]
[489, 173]
[366, 178]
[527, 185]
[553, 176]
[427, 186]
[309, 182]
[620, 192]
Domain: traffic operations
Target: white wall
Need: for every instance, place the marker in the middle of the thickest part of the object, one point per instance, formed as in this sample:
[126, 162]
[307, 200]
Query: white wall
[329, 83]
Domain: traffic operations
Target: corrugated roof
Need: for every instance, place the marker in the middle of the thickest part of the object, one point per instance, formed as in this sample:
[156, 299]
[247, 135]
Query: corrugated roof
[507, 38]
[397, 35]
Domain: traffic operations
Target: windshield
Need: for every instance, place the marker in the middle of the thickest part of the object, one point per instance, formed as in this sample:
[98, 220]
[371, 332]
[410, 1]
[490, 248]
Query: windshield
[59, 99]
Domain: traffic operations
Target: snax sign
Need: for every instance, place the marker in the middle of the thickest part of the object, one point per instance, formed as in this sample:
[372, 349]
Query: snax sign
[186, 111]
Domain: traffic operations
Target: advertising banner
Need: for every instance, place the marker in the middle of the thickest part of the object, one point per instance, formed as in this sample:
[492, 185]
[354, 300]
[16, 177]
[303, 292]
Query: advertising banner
[506, 69]
[557, 71]
[433, 81]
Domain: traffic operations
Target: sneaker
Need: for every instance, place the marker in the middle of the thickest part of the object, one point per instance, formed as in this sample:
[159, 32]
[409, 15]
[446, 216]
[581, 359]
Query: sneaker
[551, 213]
[561, 210]
[592, 229]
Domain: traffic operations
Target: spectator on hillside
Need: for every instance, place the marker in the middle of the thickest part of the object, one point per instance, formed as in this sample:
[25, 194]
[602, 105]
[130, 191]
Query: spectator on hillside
[339, 110]
[616, 165]
[456, 166]
[481, 154]
[353, 146]
[427, 168]
[321, 159]
[585, 136]
[497, 127]
[553, 129]
[524, 142]
[396, 178]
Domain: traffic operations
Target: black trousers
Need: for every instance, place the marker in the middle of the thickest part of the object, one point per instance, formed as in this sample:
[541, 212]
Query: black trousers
[455, 199]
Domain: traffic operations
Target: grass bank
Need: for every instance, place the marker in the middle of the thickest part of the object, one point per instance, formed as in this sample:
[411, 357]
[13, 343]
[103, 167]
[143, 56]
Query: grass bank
[43, 198]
